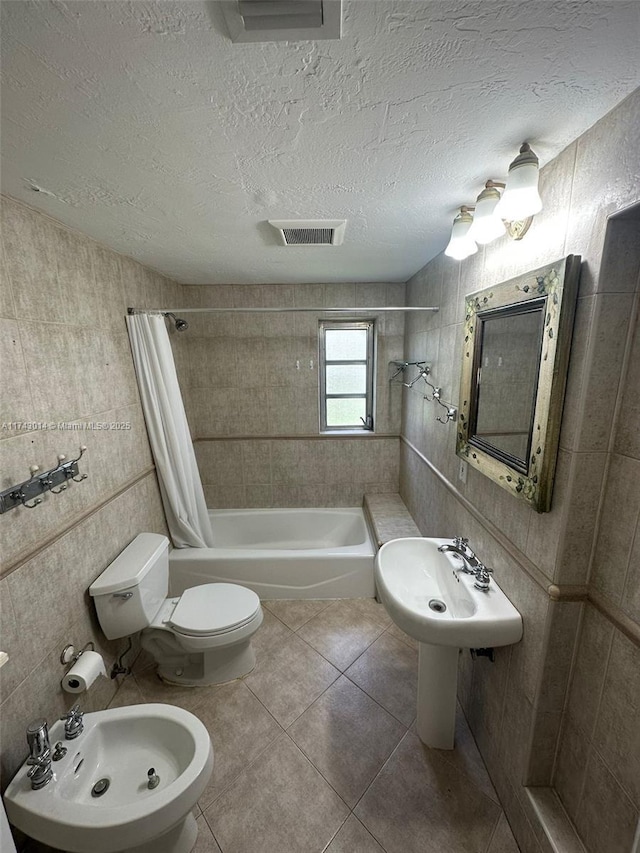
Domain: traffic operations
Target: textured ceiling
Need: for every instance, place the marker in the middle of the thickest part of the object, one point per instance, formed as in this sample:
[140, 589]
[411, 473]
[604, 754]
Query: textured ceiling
[146, 128]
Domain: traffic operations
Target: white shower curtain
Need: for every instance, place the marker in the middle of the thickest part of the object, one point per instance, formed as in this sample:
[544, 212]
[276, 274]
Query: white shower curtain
[180, 485]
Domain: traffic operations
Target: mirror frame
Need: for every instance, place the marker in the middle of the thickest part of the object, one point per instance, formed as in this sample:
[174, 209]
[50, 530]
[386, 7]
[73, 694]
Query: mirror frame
[557, 285]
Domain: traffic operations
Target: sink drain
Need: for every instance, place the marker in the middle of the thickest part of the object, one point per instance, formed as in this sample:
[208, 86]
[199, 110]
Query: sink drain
[101, 787]
[437, 605]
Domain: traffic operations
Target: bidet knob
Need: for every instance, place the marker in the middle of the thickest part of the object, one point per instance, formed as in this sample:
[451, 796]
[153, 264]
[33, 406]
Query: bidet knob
[153, 780]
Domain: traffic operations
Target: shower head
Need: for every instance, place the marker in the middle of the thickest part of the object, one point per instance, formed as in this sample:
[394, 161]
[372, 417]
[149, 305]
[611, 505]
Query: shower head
[181, 325]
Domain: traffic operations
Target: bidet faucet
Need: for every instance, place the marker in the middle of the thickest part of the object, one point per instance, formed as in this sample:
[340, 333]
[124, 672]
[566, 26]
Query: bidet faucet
[39, 754]
[460, 546]
[73, 724]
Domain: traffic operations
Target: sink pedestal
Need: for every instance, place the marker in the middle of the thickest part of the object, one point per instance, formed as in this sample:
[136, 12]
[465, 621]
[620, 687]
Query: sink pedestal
[437, 686]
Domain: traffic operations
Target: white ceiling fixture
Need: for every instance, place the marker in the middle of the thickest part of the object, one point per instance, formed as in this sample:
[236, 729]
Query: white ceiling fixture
[310, 232]
[156, 135]
[283, 20]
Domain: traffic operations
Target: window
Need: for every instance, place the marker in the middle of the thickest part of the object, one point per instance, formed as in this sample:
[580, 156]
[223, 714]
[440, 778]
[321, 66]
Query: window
[346, 375]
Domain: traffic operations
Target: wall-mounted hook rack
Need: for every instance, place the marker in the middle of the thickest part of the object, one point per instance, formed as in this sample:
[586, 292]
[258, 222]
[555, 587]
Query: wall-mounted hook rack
[37, 484]
[424, 372]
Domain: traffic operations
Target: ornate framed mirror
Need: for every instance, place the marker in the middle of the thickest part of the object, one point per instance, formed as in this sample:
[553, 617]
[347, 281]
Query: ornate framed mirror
[517, 337]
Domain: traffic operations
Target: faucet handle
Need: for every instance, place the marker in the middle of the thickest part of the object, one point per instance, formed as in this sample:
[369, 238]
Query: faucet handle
[460, 542]
[73, 724]
[483, 577]
[73, 713]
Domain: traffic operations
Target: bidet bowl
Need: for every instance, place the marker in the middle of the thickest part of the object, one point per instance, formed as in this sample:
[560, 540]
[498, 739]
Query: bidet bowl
[119, 745]
[410, 573]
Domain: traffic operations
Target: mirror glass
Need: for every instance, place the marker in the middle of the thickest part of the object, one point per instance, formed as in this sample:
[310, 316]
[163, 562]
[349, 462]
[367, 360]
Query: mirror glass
[515, 353]
[506, 368]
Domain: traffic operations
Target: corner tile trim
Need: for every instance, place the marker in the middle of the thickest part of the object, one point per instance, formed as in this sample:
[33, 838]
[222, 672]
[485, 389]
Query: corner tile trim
[64, 529]
[556, 592]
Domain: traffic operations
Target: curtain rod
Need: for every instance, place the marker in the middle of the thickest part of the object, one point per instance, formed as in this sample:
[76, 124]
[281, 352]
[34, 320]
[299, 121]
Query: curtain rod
[276, 310]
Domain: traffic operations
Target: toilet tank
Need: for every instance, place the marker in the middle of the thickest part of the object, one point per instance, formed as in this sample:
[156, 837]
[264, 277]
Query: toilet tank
[131, 590]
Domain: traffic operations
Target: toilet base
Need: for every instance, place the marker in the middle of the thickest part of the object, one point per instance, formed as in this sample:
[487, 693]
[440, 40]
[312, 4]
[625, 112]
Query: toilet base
[214, 667]
[180, 839]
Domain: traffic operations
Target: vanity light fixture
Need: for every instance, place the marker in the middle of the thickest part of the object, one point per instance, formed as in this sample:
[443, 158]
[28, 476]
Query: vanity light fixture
[461, 245]
[513, 211]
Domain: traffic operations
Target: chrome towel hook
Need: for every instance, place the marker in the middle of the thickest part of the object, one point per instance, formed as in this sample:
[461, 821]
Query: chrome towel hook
[37, 484]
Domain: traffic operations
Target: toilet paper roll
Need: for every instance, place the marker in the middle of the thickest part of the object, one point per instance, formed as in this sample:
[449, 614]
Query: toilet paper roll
[84, 672]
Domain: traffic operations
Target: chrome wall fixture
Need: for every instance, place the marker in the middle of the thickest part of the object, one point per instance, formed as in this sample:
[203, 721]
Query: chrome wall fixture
[37, 484]
[495, 214]
[424, 371]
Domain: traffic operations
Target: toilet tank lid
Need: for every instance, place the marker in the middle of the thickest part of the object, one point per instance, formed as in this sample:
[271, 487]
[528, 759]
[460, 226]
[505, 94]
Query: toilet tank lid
[131, 565]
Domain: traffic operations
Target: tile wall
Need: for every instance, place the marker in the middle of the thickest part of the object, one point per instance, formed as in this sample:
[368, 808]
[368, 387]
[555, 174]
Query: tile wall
[250, 383]
[598, 769]
[515, 705]
[66, 364]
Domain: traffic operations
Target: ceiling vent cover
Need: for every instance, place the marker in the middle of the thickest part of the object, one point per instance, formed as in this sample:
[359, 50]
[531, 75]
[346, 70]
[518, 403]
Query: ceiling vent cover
[310, 232]
[283, 20]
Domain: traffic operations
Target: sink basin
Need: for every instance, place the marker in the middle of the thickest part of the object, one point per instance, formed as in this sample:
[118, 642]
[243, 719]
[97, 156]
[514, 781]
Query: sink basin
[432, 600]
[119, 746]
[411, 572]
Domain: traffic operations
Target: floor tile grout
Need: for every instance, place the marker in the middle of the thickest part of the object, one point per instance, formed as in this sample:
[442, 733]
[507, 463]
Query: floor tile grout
[463, 769]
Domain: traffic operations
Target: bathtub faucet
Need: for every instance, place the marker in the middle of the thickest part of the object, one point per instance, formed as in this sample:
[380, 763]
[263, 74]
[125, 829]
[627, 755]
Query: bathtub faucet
[460, 546]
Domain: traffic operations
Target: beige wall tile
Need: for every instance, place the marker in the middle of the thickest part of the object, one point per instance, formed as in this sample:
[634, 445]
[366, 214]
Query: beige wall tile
[16, 404]
[66, 371]
[617, 734]
[605, 180]
[631, 593]
[607, 344]
[627, 440]
[617, 526]
[571, 767]
[589, 669]
[29, 241]
[606, 819]
[7, 307]
[576, 546]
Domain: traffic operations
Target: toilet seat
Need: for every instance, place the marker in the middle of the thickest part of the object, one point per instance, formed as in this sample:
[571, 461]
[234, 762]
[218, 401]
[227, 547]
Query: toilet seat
[213, 609]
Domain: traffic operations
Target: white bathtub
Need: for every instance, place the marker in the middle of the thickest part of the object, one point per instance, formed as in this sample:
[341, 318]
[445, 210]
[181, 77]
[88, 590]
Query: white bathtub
[283, 553]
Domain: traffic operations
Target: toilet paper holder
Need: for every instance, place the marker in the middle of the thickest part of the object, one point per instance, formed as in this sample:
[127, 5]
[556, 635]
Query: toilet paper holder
[69, 655]
[86, 666]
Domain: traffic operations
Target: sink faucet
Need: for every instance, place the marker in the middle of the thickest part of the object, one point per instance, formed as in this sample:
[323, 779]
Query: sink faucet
[460, 546]
[39, 754]
[73, 724]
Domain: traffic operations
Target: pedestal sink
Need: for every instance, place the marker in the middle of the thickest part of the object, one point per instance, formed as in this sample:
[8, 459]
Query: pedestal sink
[432, 600]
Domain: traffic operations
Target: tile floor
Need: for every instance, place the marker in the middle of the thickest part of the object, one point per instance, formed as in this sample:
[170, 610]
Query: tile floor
[315, 750]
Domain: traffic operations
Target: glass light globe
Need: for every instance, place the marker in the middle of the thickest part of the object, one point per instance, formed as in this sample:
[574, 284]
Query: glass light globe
[487, 225]
[460, 245]
[520, 198]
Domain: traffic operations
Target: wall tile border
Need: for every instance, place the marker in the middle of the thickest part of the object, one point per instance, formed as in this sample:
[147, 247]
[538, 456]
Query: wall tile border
[78, 520]
[556, 592]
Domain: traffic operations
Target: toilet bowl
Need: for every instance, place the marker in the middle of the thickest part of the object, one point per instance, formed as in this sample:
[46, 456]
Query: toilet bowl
[204, 636]
[201, 637]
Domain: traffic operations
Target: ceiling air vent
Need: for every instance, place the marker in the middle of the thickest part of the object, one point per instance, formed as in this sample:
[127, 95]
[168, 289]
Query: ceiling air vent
[283, 20]
[310, 232]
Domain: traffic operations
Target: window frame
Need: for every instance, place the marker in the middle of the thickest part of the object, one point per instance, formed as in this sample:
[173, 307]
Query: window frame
[369, 362]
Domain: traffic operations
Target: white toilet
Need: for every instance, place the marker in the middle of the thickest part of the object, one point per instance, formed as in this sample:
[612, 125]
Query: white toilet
[201, 637]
